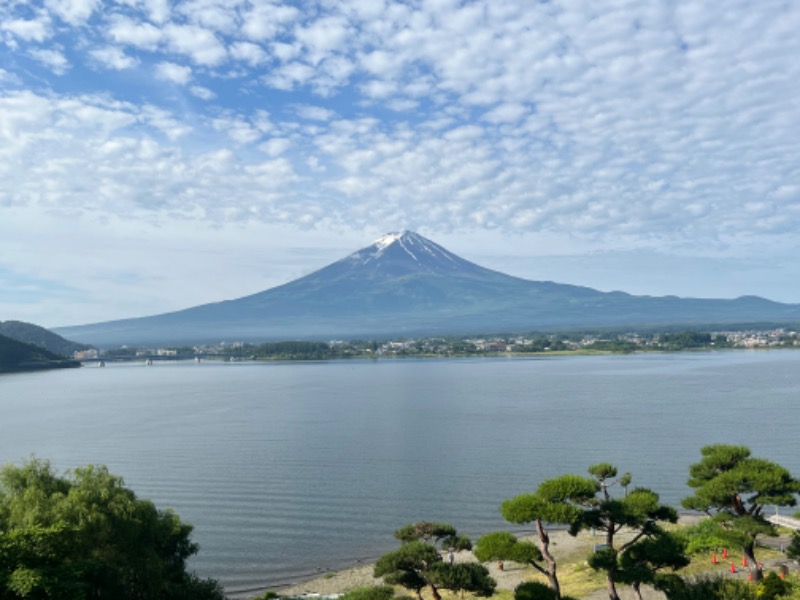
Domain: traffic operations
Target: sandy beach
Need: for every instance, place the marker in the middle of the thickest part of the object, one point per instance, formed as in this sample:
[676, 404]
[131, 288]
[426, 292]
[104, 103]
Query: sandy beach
[566, 548]
[577, 578]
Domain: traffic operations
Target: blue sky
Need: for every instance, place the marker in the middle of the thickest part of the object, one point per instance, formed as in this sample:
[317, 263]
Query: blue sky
[160, 154]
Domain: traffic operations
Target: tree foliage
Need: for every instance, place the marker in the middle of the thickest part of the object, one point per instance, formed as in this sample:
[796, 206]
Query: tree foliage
[21, 356]
[501, 545]
[418, 564]
[434, 533]
[535, 590]
[643, 561]
[710, 588]
[734, 487]
[85, 536]
[706, 536]
[793, 550]
[377, 592]
[556, 500]
[639, 511]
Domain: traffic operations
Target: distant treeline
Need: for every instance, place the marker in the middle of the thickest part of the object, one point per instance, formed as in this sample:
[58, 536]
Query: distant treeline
[292, 350]
[295, 350]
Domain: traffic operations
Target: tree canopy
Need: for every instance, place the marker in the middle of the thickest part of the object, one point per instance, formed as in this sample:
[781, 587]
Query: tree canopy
[733, 487]
[556, 500]
[85, 536]
[418, 563]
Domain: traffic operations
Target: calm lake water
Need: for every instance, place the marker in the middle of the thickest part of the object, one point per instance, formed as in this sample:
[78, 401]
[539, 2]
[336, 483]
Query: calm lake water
[290, 468]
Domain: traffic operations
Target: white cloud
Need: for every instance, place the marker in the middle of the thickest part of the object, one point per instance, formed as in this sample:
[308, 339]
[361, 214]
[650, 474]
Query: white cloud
[314, 113]
[378, 90]
[164, 122]
[74, 12]
[217, 15]
[323, 37]
[175, 73]
[506, 113]
[285, 52]
[237, 129]
[202, 92]
[11, 78]
[275, 146]
[35, 30]
[158, 10]
[112, 57]
[248, 52]
[199, 44]
[53, 59]
[144, 35]
[381, 63]
[264, 20]
[289, 76]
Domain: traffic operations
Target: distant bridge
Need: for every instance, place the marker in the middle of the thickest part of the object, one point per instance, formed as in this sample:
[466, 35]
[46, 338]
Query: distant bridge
[143, 358]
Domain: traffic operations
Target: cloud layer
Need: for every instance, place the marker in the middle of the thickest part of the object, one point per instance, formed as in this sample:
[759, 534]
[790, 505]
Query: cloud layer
[632, 119]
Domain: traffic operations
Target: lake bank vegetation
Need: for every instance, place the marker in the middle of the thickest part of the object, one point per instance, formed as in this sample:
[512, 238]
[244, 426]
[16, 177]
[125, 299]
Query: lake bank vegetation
[85, 536]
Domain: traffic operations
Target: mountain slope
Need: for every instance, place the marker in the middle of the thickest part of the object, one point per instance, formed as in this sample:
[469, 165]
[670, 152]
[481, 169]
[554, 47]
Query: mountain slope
[406, 284]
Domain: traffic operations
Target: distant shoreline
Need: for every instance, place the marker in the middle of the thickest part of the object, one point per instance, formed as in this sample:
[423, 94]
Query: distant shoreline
[392, 357]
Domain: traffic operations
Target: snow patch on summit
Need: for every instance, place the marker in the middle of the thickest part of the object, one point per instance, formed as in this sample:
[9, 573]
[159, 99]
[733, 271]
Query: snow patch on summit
[419, 250]
[387, 240]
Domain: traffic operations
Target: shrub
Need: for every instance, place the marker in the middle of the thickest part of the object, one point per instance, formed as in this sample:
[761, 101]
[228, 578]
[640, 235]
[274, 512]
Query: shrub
[706, 536]
[378, 592]
[535, 590]
[772, 587]
[710, 588]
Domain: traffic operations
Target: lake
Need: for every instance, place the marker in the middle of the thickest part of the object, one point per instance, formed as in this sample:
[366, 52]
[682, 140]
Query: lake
[288, 469]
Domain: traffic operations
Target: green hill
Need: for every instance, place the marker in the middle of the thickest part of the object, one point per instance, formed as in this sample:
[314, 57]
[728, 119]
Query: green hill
[17, 356]
[29, 333]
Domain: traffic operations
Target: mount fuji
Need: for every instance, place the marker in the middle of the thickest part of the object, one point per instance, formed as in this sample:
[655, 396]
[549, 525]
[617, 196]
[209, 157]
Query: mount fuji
[405, 284]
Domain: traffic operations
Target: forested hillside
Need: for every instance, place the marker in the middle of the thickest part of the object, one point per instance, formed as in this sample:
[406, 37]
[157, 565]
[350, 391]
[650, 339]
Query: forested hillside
[44, 338]
[18, 356]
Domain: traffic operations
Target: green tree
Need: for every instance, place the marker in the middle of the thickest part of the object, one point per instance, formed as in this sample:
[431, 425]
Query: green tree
[560, 500]
[87, 536]
[418, 562]
[733, 488]
[793, 550]
[587, 503]
[641, 562]
[638, 511]
[434, 533]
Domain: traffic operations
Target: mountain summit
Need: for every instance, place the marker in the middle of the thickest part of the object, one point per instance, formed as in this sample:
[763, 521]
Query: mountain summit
[405, 284]
[405, 253]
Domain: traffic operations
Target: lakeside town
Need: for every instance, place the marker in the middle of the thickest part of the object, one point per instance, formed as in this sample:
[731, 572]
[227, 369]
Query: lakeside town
[626, 342]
